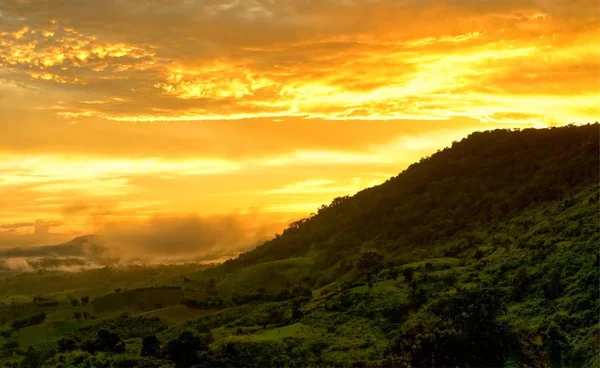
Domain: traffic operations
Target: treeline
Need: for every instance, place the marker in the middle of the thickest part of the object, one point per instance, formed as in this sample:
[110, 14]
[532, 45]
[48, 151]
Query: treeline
[258, 296]
[206, 303]
[157, 288]
[261, 295]
[29, 321]
[43, 302]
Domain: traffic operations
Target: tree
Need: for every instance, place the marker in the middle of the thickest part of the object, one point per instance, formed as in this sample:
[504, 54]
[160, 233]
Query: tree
[275, 317]
[33, 358]
[408, 274]
[185, 350]
[211, 287]
[65, 344]
[556, 344]
[553, 287]
[74, 302]
[520, 283]
[150, 346]
[296, 311]
[300, 291]
[85, 300]
[466, 335]
[105, 341]
[370, 263]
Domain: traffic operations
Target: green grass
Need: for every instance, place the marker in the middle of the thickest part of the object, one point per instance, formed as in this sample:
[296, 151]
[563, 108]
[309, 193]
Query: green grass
[272, 276]
[48, 331]
[437, 263]
[137, 300]
[297, 330]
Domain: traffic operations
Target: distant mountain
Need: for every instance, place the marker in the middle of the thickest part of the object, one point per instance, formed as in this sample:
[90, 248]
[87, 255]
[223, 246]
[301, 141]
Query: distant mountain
[84, 246]
[80, 253]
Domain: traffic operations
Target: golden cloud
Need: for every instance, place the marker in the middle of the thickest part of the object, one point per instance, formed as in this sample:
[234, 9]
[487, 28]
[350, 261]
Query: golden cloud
[215, 106]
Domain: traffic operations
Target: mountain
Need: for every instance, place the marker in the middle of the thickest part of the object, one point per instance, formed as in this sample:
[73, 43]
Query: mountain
[80, 253]
[484, 254]
[485, 178]
[83, 246]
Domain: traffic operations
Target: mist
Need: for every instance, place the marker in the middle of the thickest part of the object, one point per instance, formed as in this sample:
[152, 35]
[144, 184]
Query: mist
[160, 239]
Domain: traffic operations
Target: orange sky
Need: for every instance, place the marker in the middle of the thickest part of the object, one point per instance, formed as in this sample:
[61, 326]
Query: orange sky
[132, 112]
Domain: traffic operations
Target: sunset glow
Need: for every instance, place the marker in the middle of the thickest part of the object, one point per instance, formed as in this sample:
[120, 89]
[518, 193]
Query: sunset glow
[117, 111]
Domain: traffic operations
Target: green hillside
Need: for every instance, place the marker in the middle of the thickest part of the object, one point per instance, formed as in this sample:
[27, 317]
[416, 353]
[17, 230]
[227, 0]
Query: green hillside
[484, 254]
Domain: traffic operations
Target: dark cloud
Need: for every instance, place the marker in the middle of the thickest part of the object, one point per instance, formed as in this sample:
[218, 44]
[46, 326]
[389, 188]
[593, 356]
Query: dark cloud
[184, 236]
[40, 234]
[75, 208]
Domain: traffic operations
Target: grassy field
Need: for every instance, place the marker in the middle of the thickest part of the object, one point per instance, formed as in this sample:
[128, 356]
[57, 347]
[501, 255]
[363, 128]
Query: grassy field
[178, 314]
[297, 330]
[273, 276]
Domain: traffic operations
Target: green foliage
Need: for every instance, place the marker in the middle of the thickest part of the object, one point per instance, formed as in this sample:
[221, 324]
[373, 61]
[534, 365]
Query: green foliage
[496, 240]
[66, 343]
[408, 274]
[125, 326]
[106, 341]
[186, 349]
[370, 263]
[150, 346]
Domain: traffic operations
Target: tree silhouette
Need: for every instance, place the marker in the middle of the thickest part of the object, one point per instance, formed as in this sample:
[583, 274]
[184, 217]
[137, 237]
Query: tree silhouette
[408, 274]
[185, 350]
[150, 346]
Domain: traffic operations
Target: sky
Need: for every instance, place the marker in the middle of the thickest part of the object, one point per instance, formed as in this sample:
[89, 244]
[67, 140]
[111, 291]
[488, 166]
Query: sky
[223, 120]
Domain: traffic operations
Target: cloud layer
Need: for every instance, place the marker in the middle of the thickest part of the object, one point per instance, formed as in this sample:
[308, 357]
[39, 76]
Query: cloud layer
[191, 60]
[117, 114]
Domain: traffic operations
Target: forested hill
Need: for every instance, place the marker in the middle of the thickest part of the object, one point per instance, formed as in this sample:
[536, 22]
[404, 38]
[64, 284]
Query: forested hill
[486, 177]
[483, 255]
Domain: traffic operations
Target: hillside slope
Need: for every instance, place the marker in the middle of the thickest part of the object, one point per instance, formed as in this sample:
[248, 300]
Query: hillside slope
[484, 178]
[484, 254]
[503, 219]
[521, 293]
